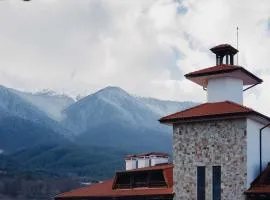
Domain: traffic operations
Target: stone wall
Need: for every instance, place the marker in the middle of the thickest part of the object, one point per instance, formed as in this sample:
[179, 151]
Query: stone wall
[210, 143]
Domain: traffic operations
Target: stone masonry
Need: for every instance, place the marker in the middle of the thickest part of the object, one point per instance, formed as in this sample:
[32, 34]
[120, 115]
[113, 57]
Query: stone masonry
[210, 143]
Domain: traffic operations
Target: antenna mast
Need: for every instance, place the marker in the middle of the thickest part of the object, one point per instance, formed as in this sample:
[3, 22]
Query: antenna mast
[237, 29]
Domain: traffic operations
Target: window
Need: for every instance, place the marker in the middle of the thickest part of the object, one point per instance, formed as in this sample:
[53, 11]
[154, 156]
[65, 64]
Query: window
[201, 183]
[140, 179]
[123, 181]
[156, 179]
[216, 182]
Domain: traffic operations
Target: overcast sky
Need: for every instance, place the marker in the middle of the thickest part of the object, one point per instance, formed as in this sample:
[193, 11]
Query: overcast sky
[142, 46]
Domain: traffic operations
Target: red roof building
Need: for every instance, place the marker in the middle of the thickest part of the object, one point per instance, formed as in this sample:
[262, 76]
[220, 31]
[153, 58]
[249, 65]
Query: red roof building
[221, 146]
[154, 182]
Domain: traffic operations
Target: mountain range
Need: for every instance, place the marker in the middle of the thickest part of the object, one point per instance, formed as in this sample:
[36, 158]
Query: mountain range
[51, 131]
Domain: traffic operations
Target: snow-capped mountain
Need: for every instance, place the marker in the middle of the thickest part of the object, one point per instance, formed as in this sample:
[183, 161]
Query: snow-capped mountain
[113, 104]
[11, 104]
[108, 105]
[48, 101]
[109, 117]
[23, 124]
[112, 117]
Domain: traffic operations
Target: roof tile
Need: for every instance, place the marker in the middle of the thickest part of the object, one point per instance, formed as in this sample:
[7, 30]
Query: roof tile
[211, 110]
[214, 69]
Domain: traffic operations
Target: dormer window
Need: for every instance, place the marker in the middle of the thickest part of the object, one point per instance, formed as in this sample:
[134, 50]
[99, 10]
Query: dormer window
[137, 179]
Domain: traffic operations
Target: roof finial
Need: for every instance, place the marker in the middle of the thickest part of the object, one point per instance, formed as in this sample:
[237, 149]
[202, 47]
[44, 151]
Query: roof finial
[237, 30]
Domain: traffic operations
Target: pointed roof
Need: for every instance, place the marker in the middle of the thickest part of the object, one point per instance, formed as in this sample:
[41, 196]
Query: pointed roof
[261, 185]
[212, 110]
[201, 76]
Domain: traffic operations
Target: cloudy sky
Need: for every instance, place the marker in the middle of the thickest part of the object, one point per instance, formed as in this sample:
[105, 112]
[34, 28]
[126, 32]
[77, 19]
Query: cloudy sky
[143, 46]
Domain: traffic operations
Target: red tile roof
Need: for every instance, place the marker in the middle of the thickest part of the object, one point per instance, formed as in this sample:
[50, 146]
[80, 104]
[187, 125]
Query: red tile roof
[261, 185]
[211, 110]
[168, 174]
[223, 69]
[105, 189]
[214, 69]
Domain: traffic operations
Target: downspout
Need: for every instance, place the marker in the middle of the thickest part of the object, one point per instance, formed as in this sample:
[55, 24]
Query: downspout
[261, 129]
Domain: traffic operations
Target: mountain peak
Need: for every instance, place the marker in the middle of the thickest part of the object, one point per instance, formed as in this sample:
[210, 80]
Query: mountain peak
[111, 91]
[113, 88]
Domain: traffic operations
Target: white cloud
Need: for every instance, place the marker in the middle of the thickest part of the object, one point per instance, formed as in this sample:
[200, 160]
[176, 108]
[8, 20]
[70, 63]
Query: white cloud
[143, 46]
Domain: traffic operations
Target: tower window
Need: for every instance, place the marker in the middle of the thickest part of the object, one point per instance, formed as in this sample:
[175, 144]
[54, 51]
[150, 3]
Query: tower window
[201, 183]
[216, 182]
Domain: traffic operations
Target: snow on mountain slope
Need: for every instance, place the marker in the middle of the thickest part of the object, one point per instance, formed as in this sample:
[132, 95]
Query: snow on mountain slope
[111, 104]
[114, 105]
[12, 104]
[48, 101]
[162, 107]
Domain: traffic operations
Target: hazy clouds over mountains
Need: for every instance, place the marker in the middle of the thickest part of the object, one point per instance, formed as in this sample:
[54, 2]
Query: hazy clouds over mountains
[109, 117]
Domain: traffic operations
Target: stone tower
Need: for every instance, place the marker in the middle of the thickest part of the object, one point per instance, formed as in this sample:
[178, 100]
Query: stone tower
[217, 148]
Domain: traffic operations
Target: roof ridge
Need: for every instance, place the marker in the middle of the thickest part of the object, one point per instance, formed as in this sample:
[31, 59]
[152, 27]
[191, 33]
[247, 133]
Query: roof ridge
[221, 65]
[212, 109]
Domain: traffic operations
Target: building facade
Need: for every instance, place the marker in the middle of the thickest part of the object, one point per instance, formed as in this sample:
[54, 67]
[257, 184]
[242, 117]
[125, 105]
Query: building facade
[207, 145]
[218, 148]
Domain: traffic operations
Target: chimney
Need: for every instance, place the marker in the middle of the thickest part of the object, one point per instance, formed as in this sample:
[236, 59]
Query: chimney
[131, 162]
[145, 160]
[224, 81]
[224, 51]
[159, 158]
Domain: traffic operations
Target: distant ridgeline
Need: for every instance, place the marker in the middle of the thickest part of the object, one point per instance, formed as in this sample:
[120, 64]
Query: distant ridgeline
[55, 134]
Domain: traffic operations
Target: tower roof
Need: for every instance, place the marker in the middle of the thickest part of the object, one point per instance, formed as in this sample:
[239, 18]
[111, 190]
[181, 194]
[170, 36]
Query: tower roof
[202, 76]
[224, 49]
[212, 110]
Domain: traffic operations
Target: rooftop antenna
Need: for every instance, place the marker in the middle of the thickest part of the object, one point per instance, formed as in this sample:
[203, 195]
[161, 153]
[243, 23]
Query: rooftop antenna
[237, 30]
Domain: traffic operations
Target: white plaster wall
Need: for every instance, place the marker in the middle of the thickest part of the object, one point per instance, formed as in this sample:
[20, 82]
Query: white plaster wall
[225, 88]
[131, 164]
[158, 160]
[253, 149]
[143, 162]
